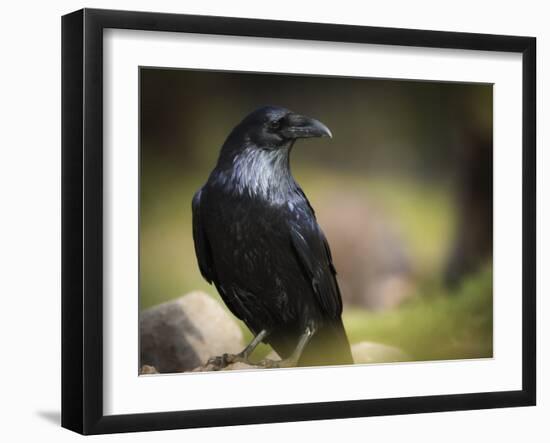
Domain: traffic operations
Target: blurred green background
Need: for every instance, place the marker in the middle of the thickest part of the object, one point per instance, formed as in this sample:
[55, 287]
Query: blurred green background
[403, 192]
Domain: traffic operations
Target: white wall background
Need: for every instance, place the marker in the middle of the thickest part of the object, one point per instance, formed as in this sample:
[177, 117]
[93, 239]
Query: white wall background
[30, 221]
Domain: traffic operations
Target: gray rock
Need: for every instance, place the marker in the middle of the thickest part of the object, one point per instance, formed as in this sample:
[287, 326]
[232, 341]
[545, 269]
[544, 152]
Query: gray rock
[272, 355]
[369, 352]
[148, 370]
[238, 366]
[183, 334]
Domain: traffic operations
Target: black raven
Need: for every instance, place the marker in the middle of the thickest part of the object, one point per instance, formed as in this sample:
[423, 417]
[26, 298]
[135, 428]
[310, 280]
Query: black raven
[257, 239]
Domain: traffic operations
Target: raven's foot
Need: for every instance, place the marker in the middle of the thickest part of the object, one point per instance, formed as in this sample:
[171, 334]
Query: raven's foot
[222, 361]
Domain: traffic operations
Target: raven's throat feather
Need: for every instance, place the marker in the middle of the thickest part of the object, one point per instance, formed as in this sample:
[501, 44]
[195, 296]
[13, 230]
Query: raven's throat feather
[257, 172]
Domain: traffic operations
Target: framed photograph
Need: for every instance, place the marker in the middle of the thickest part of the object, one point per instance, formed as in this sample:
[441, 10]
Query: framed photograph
[268, 221]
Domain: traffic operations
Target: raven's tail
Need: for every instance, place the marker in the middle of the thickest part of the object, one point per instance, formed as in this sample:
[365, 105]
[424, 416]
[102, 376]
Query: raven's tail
[328, 346]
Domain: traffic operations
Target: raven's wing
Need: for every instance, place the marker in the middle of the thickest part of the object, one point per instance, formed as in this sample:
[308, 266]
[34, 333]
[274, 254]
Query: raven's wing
[206, 262]
[313, 252]
[202, 247]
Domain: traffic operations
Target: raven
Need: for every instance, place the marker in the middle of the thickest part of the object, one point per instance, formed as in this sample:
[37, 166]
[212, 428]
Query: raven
[257, 239]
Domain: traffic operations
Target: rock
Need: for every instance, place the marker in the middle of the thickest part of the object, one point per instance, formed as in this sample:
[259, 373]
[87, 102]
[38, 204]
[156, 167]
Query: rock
[147, 370]
[183, 334]
[369, 352]
[272, 355]
[239, 366]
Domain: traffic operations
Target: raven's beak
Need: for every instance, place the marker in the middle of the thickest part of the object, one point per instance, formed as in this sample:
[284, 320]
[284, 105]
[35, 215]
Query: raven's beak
[300, 126]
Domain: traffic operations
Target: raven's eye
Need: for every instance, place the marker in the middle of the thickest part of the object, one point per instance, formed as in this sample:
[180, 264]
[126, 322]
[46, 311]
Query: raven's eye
[275, 124]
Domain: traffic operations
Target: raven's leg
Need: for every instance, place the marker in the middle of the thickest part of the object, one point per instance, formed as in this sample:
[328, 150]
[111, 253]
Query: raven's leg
[294, 358]
[226, 359]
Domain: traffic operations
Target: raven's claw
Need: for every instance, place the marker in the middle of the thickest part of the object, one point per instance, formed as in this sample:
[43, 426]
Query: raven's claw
[222, 361]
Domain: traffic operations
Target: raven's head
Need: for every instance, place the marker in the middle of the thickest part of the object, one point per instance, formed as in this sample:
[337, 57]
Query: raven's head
[272, 127]
[254, 159]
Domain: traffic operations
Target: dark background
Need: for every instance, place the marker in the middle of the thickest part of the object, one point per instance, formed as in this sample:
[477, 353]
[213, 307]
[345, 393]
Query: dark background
[403, 192]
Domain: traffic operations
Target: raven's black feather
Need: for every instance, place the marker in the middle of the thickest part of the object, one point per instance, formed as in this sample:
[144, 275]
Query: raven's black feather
[257, 239]
[202, 248]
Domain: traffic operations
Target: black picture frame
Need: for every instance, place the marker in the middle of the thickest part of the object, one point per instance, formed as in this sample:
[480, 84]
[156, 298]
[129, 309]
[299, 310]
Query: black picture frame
[82, 220]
